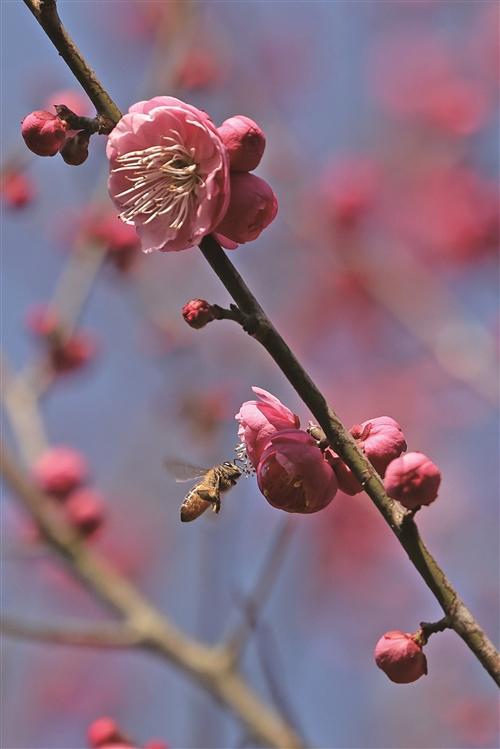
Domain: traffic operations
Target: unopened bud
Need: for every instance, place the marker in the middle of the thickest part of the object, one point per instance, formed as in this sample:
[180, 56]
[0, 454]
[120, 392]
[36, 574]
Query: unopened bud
[44, 133]
[252, 207]
[60, 470]
[245, 142]
[197, 313]
[400, 657]
[413, 480]
[76, 150]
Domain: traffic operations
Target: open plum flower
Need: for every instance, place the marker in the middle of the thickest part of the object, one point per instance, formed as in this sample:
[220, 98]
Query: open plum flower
[260, 420]
[293, 475]
[169, 173]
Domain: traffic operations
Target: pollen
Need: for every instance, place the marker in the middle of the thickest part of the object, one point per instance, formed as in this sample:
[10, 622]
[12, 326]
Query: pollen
[164, 180]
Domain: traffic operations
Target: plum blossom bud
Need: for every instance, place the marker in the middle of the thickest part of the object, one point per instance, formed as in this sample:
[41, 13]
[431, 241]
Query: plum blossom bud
[85, 511]
[76, 149]
[245, 142]
[44, 133]
[260, 420]
[252, 207]
[60, 470]
[400, 657]
[293, 475]
[198, 313]
[413, 480]
[381, 439]
[102, 732]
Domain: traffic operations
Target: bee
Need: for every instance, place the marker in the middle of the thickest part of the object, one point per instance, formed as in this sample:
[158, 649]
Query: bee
[207, 492]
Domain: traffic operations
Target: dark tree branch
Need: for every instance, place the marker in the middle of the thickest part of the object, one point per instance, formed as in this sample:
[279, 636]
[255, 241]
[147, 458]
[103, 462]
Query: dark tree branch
[405, 529]
[45, 12]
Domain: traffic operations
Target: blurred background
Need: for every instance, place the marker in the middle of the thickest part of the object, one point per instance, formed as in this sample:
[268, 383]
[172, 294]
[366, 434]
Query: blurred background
[381, 272]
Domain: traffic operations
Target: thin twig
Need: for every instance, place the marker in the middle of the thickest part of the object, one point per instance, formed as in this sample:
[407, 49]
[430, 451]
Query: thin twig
[253, 604]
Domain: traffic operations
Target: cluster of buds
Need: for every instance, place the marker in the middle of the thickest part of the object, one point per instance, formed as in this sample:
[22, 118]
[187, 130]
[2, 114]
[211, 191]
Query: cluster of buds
[412, 479]
[66, 353]
[62, 473]
[65, 132]
[253, 204]
[104, 733]
[292, 472]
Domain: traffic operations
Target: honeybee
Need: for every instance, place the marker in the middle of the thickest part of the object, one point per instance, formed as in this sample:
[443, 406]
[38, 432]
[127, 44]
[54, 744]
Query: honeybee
[207, 492]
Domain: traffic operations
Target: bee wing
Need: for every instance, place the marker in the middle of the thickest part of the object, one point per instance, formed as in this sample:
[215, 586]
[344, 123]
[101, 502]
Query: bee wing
[182, 471]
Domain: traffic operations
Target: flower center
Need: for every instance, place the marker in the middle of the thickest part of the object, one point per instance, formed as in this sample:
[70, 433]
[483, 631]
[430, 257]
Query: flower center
[164, 180]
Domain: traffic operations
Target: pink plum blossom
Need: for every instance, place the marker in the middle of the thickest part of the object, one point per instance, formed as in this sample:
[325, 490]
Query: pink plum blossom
[413, 480]
[245, 142]
[381, 439]
[400, 657]
[169, 173]
[44, 133]
[260, 420]
[60, 470]
[293, 475]
[252, 207]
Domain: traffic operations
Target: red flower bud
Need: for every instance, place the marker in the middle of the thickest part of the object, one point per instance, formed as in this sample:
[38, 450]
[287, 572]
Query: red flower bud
[76, 149]
[245, 142]
[85, 511]
[400, 657]
[293, 475]
[43, 133]
[60, 470]
[197, 313]
[252, 207]
[413, 480]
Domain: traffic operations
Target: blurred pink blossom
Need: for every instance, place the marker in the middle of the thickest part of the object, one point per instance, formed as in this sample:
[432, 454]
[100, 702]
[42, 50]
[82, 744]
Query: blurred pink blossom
[260, 420]
[102, 732]
[293, 475]
[349, 189]
[413, 480]
[60, 470]
[198, 69]
[400, 657]
[85, 511]
[16, 189]
[78, 102]
[169, 173]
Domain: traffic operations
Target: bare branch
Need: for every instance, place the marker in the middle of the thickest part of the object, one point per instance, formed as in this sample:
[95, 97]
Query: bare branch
[211, 667]
[102, 635]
